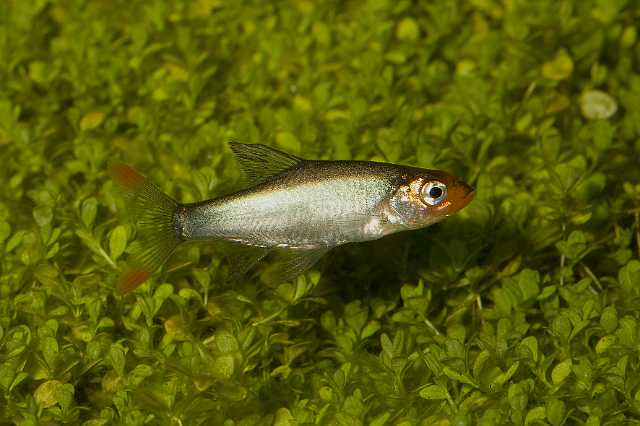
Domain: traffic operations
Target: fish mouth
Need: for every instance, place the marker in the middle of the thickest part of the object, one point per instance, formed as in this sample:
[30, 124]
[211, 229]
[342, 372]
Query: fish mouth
[464, 195]
[469, 191]
[466, 192]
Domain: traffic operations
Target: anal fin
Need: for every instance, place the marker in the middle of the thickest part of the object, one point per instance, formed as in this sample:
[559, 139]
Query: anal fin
[289, 263]
[241, 259]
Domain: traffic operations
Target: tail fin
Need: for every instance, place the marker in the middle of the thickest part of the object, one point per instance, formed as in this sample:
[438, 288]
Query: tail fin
[155, 216]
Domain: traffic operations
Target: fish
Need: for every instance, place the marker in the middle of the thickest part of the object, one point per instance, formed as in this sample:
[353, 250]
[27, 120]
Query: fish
[297, 207]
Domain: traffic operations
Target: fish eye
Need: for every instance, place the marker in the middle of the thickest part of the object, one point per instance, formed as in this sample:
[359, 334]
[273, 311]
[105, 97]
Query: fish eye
[433, 193]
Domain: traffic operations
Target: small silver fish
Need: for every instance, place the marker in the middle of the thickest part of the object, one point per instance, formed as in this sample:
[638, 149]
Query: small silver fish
[300, 207]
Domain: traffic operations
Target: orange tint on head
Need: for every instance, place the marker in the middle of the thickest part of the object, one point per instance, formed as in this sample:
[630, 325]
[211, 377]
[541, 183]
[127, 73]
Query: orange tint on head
[126, 177]
[132, 278]
[459, 196]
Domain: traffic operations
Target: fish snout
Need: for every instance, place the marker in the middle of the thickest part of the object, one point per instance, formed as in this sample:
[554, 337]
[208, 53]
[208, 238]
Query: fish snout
[469, 192]
[460, 195]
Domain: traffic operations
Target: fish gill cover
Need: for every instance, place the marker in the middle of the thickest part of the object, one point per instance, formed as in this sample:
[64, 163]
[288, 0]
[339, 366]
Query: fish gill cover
[522, 309]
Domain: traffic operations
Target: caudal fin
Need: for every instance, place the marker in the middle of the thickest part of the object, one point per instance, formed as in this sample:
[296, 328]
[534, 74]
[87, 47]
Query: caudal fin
[155, 215]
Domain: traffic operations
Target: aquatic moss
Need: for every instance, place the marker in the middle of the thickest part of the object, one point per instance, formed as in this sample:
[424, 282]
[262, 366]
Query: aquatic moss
[523, 309]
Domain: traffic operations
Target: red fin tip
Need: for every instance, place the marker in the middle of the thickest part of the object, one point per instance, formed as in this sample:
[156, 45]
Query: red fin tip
[126, 177]
[132, 278]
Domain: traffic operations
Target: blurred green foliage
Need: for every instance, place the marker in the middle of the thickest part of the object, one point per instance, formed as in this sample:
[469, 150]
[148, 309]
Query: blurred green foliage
[523, 309]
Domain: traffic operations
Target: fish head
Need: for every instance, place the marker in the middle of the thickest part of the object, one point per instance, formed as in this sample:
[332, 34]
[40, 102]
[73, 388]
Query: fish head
[424, 197]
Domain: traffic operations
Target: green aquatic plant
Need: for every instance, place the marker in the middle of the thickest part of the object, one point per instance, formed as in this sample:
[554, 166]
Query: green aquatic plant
[523, 309]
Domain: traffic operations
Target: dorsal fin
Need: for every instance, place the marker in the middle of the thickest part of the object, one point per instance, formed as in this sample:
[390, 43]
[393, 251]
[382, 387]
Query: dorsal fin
[260, 162]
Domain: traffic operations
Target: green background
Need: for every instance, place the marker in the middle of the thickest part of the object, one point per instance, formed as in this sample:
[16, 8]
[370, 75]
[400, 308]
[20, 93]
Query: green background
[522, 309]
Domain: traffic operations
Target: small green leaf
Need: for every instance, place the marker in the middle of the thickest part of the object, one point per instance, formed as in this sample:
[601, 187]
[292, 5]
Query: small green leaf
[560, 67]
[490, 417]
[396, 57]
[381, 419]
[370, 329]
[43, 215]
[605, 343]
[480, 362]
[528, 348]
[434, 392]
[117, 241]
[284, 418]
[89, 240]
[503, 378]
[321, 33]
[388, 139]
[66, 399]
[5, 231]
[139, 373]
[503, 300]
[289, 142]
[528, 283]
[592, 421]
[359, 108]
[407, 29]
[89, 211]
[226, 342]
[326, 393]
[562, 327]
[555, 411]
[92, 120]
[575, 245]
[518, 396]
[454, 375]
[583, 371]
[328, 321]
[609, 319]
[39, 72]
[627, 331]
[162, 293]
[561, 371]
[49, 348]
[286, 291]
[534, 415]
[547, 292]
[7, 373]
[629, 276]
[588, 189]
[20, 377]
[603, 134]
[116, 358]
[105, 322]
[356, 315]
[49, 393]
[175, 328]
[387, 345]
[223, 367]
